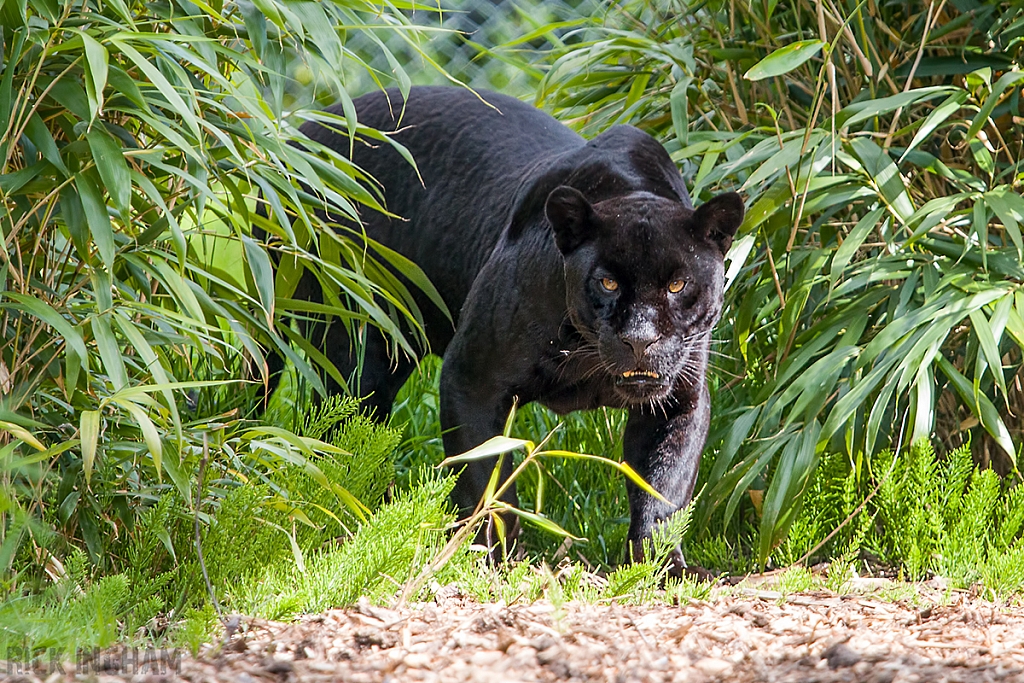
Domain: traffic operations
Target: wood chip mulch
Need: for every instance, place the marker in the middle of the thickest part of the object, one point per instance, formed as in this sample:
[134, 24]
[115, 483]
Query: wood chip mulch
[745, 635]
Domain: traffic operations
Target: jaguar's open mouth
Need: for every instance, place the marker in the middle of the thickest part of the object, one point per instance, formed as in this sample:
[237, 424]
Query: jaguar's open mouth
[641, 382]
[640, 375]
[641, 386]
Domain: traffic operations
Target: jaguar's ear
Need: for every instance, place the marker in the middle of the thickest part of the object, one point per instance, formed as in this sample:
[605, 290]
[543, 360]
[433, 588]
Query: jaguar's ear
[719, 218]
[569, 213]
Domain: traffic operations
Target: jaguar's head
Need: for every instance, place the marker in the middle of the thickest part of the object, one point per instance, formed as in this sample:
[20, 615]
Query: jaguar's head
[644, 277]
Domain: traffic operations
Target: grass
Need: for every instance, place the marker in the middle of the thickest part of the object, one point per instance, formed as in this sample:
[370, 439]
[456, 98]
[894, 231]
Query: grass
[916, 513]
[585, 498]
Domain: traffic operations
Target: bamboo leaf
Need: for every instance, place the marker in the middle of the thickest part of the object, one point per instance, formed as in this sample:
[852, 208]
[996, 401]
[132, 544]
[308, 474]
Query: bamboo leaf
[20, 432]
[1009, 206]
[262, 274]
[797, 463]
[415, 274]
[89, 432]
[844, 254]
[496, 445]
[150, 434]
[39, 134]
[868, 109]
[784, 60]
[96, 217]
[989, 348]
[538, 520]
[96, 62]
[1008, 80]
[138, 342]
[622, 467]
[162, 84]
[73, 341]
[791, 153]
[885, 176]
[679, 106]
[936, 118]
[350, 501]
[110, 351]
[110, 163]
[980, 406]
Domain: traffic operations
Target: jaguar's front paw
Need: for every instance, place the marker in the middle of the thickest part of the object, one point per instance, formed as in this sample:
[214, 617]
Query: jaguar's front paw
[675, 563]
[498, 538]
[678, 568]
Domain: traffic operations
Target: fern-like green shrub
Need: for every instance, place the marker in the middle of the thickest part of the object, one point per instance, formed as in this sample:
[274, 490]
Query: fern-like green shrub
[946, 517]
[363, 470]
[384, 552]
[637, 582]
[278, 513]
[76, 611]
[928, 516]
[262, 518]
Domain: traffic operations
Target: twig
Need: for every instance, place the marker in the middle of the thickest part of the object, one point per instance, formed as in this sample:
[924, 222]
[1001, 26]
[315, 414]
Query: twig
[741, 109]
[859, 508]
[199, 544]
[775, 273]
[929, 22]
[835, 16]
[848, 519]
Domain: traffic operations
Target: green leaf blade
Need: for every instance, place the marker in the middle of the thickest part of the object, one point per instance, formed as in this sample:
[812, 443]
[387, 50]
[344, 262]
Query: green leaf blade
[784, 59]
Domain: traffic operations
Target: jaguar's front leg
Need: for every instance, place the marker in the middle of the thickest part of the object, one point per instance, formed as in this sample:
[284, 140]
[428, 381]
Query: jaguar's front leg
[473, 409]
[664, 447]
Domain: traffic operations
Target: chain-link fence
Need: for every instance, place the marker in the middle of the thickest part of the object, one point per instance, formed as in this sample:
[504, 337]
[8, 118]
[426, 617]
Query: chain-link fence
[483, 43]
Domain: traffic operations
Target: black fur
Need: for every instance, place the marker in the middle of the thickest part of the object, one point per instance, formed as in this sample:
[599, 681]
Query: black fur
[522, 226]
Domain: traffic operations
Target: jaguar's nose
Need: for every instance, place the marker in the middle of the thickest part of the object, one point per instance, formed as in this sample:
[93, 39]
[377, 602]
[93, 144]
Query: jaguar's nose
[639, 343]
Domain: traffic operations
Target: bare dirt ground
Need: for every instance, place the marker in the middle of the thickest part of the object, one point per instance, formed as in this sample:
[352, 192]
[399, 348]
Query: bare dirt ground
[737, 635]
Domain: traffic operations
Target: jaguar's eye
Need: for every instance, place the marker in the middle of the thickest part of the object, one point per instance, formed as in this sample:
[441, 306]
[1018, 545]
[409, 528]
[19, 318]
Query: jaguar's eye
[609, 284]
[676, 286]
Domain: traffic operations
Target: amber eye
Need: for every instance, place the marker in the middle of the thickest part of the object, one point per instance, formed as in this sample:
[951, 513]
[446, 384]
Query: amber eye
[609, 284]
[676, 286]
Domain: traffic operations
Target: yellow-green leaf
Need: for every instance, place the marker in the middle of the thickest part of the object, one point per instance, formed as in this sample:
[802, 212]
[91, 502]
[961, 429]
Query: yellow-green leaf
[96, 62]
[494, 446]
[89, 432]
[96, 217]
[784, 60]
[21, 433]
[149, 434]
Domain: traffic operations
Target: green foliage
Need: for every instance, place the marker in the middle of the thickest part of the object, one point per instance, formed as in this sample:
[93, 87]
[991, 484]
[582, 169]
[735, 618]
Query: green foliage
[719, 553]
[875, 285]
[366, 468]
[1003, 574]
[246, 512]
[197, 627]
[140, 139]
[357, 475]
[949, 518]
[928, 516]
[910, 505]
[832, 496]
[285, 511]
[796, 580]
[874, 299]
[586, 498]
[74, 612]
[638, 581]
[248, 525]
[415, 412]
[382, 554]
